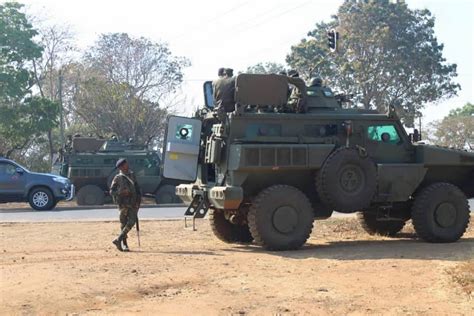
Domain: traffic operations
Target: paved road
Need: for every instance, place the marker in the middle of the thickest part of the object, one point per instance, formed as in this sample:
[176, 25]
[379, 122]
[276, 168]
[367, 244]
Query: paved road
[71, 214]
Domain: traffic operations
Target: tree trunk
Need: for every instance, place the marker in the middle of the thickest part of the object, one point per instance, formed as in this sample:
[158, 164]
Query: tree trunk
[51, 148]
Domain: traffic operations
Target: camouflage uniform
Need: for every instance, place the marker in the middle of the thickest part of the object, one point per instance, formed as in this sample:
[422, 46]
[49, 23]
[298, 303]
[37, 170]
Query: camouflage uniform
[224, 94]
[126, 192]
[297, 100]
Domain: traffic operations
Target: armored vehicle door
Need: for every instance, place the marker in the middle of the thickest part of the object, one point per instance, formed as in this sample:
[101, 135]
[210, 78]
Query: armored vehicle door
[181, 150]
[386, 143]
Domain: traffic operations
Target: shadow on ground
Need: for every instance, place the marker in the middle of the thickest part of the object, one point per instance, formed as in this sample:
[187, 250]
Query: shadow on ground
[374, 250]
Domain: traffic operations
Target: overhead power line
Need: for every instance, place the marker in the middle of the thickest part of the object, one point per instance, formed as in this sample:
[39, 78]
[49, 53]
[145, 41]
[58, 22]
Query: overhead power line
[215, 18]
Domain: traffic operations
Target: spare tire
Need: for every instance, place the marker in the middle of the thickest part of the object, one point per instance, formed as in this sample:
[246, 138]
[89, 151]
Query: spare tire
[90, 195]
[347, 180]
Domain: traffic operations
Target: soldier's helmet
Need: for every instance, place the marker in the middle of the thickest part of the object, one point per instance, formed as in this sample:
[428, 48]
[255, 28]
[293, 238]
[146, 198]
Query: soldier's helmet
[120, 162]
[229, 72]
[293, 73]
[315, 82]
[220, 72]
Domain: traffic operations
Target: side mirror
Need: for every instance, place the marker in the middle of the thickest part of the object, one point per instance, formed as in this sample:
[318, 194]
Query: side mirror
[208, 95]
[415, 136]
[19, 170]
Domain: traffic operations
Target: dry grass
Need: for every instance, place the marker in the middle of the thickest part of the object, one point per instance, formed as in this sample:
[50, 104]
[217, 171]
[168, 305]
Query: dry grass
[463, 274]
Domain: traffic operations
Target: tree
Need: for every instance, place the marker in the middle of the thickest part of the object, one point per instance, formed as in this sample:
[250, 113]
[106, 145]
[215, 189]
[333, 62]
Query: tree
[110, 109]
[266, 68]
[387, 55]
[125, 85]
[16, 49]
[25, 123]
[57, 43]
[466, 110]
[456, 129]
[24, 118]
[147, 68]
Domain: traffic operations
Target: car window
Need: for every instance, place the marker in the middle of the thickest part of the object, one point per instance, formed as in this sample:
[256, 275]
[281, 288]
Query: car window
[383, 133]
[7, 169]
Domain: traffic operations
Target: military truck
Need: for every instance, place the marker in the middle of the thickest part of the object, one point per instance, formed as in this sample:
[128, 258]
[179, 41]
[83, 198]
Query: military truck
[267, 170]
[89, 162]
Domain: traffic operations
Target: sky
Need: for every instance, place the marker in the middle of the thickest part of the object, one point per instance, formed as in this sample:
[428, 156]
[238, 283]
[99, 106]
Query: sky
[240, 33]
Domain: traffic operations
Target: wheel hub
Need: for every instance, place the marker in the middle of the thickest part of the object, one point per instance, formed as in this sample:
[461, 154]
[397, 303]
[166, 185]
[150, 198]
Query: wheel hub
[40, 199]
[351, 179]
[445, 214]
[285, 219]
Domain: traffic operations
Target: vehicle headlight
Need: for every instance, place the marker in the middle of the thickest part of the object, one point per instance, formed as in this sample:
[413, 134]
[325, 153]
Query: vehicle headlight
[61, 180]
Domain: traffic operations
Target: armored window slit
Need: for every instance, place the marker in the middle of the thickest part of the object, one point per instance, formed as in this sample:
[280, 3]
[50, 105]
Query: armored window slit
[267, 156]
[252, 157]
[299, 156]
[283, 156]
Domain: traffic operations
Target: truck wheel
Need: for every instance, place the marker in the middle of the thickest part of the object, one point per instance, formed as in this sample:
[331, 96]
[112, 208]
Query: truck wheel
[226, 231]
[41, 199]
[281, 218]
[373, 226]
[440, 213]
[347, 181]
[90, 195]
[167, 195]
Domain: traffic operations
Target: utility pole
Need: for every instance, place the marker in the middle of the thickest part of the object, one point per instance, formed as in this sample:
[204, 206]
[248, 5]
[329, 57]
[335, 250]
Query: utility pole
[61, 109]
[419, 124]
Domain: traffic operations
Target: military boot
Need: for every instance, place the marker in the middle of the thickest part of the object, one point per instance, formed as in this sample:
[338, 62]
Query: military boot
[125, 245]
[118, 241]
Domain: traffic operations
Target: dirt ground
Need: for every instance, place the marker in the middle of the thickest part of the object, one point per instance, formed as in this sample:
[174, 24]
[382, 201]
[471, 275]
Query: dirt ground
[73, 268]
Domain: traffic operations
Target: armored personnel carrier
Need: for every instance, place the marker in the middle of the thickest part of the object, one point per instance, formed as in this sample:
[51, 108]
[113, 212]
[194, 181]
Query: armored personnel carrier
[268, 169]
[89, 163]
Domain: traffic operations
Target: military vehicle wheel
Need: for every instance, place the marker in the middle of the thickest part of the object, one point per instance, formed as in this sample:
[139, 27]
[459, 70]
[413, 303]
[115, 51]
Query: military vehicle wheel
[90, 195]
[440, 213]
[227, 231]
[347, 181]
[281, 218]
[167, 195]
[373, 226]
[41, 199]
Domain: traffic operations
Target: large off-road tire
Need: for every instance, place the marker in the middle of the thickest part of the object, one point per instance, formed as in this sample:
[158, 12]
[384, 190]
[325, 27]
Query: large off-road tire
[373, 226]
[167, 195]
[41, 199]
[90, 195]
[226, 231]
[281, 218]
[440, 213]
[347, 180]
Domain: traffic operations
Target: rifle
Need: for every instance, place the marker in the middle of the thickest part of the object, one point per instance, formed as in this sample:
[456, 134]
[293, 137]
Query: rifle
[138, 232]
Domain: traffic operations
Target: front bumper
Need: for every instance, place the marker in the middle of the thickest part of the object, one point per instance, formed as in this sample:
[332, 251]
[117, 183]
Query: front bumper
[72, 191]
[220, 197]
[65, 192]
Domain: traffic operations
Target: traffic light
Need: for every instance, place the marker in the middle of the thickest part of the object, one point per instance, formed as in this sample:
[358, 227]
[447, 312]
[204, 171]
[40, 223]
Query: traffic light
[333, 37]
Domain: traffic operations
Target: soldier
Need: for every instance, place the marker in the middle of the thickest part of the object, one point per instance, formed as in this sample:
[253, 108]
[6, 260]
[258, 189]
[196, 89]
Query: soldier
[125, 192]
[319, 95]
[316, 82]
[297, 99]
[223, 92]
[228, 72]
[220, 72]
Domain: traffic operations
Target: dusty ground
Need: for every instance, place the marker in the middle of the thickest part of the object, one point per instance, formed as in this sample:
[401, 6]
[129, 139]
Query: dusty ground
[69, 268]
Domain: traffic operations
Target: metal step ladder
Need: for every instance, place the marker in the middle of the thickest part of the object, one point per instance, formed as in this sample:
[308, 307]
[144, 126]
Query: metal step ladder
[197, 209]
